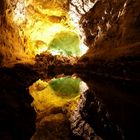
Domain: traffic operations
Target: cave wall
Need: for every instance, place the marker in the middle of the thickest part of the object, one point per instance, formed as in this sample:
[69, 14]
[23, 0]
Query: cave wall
[111, 25]
[19, 26]
[110, 28]
[11, 45]
[112, 33]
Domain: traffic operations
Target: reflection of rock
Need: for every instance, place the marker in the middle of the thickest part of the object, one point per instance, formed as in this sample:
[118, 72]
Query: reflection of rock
[52, 108]
[78, 125]
[90, 120]
[52, 127]
[66, 87]
[16, 115]
[122, 100]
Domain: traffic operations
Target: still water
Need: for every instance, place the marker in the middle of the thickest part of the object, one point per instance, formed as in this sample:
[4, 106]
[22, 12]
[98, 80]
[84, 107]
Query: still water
[82, 107]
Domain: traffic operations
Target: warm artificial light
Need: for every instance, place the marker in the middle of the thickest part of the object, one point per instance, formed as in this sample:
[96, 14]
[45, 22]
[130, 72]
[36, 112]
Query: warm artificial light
[39, 26]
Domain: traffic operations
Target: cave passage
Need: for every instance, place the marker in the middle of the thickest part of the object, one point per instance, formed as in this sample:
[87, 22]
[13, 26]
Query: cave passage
[47, 26]
[69, 69]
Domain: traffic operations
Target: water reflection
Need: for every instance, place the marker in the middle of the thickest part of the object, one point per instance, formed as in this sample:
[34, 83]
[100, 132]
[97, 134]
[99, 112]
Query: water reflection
[69, 107]
[122, 101]
[54, 101]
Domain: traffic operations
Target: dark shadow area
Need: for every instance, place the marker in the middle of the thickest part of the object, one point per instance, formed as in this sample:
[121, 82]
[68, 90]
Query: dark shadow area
[111, 107]
[121, 99]
[17, 117]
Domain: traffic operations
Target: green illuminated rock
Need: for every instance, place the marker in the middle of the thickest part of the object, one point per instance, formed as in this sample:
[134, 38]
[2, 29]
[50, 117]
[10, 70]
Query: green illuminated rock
[65, 43]
[66, 87]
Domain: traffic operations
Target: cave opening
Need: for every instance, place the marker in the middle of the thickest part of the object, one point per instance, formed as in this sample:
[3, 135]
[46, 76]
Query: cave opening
[69, 69]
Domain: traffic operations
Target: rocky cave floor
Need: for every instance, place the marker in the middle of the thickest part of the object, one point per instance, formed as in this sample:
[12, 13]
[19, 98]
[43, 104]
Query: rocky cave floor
[111, 107]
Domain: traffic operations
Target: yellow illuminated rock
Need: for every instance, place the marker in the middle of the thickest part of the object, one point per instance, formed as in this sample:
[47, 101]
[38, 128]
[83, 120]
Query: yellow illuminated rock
[52, 108]
[41, 21]
[46, 99]
[54, 101]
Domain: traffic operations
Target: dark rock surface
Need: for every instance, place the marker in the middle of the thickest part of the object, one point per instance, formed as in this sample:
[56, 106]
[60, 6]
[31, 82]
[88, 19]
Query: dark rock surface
[122, 101]
[107, 111]
[124, 67]
[112, 33]
[111, 24]
[17, 118]
[91, 120]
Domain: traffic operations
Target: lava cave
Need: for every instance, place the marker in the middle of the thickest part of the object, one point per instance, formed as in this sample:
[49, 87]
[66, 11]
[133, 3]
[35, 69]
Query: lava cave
[69, 69]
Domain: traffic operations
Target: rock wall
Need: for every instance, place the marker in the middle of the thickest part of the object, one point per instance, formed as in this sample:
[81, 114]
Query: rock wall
[111, 23]
[11, 45]
[112, 32]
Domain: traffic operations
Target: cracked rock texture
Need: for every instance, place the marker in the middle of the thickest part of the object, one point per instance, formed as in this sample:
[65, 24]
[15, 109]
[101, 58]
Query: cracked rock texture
[112, 32]
[111, 23]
